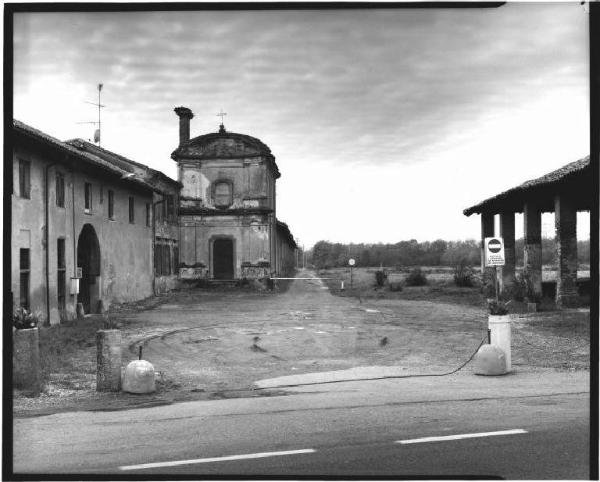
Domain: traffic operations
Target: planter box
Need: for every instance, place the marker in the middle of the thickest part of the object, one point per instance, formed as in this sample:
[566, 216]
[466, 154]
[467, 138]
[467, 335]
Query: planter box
[27, 370]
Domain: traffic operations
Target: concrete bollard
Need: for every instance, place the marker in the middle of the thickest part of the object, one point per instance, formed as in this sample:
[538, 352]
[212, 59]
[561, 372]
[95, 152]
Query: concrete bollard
[80, 311]
[108, 369]
[499, 326]
[490, 360]
[27, 372]
[139, 377]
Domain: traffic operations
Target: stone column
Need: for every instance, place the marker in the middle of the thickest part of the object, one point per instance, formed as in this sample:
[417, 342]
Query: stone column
[108, 368]
[566, 251]
[487, 231]
[507, 232]
[532, 256]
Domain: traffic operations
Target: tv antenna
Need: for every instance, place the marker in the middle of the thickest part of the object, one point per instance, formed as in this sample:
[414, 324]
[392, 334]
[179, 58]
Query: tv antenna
[98, 122]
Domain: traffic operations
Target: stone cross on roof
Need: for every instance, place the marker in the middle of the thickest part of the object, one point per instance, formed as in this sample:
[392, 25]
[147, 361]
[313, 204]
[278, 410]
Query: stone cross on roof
[221, 115]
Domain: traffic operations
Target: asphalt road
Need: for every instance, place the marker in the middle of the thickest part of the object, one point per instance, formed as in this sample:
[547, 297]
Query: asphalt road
[351, 428]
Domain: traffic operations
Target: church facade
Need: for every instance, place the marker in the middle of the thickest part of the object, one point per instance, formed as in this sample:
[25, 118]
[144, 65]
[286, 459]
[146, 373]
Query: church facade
[227, 207]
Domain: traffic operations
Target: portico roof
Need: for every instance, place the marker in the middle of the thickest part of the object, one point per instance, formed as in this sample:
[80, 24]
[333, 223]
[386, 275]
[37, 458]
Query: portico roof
[573, 179]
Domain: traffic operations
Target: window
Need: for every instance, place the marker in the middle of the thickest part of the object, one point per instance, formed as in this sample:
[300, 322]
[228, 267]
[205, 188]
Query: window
[61, 273]
[148, 217]
[60, 190]
[24, 266]
[111, 204]
[24, 179]
[175, 257]
[170, 202]
[223, 194]
[131, 210]
[88, 198]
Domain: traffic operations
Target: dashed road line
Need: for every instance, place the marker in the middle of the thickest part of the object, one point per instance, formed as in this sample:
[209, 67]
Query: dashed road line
[461, 436]
[175, 463]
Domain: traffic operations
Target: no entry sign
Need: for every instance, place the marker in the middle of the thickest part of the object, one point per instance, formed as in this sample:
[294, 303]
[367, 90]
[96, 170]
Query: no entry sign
[494, 251]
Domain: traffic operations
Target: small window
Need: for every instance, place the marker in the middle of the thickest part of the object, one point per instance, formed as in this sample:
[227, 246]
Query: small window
[24, 179]
[148, 215]
[88, 197]
[111, 204]
[175, 256]
[24, 266]
[223, 194]
[61, 273]
[170, 207]
[60, 190]
[157, 257]
[131, 210]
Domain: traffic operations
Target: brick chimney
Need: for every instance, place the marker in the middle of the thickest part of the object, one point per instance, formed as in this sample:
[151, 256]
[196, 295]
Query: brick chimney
[185, 115]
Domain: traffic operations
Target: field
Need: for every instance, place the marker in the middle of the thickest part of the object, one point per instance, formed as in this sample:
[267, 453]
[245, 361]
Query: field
[440, 285]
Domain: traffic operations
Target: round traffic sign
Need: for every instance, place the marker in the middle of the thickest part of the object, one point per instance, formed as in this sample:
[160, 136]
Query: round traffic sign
[351, 262]
[494, 245]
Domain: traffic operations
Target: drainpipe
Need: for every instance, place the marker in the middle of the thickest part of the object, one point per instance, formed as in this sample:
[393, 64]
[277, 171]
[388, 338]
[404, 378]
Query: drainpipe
[47, 238]
[154, 243]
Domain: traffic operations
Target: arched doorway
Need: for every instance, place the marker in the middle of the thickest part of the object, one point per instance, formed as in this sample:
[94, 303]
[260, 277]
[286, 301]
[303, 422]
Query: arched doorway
[88, 259]
[223, 258]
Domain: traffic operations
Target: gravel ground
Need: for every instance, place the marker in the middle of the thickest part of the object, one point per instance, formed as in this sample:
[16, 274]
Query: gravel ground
[210, 344]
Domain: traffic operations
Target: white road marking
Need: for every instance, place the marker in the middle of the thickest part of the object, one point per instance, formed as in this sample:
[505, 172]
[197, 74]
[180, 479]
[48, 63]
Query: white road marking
[174, 463]
[369, 310]
[461, 436]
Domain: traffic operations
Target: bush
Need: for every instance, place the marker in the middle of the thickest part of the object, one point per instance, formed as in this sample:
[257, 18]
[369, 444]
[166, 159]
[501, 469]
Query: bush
[380, 277]
[416, 277]
[24, 319]
[497, 307]
[395, 286]
[463, 274]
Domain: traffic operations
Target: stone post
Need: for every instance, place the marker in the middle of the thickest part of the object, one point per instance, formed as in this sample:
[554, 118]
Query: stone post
[566, 251]
[507, 232]
[26, 360]
[532, 256]
[108, 368]
[487, 231]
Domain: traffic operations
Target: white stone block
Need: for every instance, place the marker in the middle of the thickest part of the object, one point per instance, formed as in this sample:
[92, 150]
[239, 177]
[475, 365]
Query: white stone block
[490, 360]
[139, 377]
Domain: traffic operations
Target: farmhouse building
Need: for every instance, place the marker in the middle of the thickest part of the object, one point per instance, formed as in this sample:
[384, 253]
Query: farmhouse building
[83, 226]
[228, 224]
[564, 192]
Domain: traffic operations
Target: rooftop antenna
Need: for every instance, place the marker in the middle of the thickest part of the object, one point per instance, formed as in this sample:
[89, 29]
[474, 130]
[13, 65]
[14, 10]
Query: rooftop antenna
[99, 105]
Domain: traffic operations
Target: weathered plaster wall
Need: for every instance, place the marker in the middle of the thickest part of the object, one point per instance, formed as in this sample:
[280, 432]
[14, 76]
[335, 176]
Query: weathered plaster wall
[125, 249]
[250, 235]
[249, 177]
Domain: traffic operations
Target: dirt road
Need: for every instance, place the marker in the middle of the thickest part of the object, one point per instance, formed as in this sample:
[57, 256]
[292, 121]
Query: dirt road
[213, 340]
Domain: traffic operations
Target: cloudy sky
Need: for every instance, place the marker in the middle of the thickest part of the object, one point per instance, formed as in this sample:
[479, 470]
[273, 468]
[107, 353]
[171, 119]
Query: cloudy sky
[385, 124]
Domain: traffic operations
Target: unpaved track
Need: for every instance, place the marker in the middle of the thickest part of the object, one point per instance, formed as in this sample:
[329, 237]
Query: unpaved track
[206, 340]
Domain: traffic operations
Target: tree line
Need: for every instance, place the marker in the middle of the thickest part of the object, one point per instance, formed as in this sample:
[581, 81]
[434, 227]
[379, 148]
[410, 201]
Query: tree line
[325, 255]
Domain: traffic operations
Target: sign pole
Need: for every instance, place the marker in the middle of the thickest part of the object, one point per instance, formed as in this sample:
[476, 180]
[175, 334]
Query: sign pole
[496, 281]
[351, 277]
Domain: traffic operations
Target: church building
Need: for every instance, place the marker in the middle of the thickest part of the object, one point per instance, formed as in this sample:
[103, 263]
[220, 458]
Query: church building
[227, 207]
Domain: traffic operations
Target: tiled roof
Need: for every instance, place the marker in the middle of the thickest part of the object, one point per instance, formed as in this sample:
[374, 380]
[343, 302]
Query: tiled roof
[553, 177]
[108, 162]
[285, 231]
[150, 175]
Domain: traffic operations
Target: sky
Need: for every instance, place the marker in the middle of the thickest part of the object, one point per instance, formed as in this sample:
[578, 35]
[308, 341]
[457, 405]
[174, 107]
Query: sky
[385, 123]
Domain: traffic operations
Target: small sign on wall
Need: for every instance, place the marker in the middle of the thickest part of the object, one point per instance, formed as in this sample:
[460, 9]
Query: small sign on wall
[494, 251]
[74, 286]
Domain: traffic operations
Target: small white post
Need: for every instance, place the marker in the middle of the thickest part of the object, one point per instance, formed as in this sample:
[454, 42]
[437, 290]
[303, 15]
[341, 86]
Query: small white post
[500, 335]
[342, 288]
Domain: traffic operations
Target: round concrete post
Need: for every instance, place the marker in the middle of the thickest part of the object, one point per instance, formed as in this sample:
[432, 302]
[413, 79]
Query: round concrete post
[26, 360]
[499, 326]
[108, 369]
